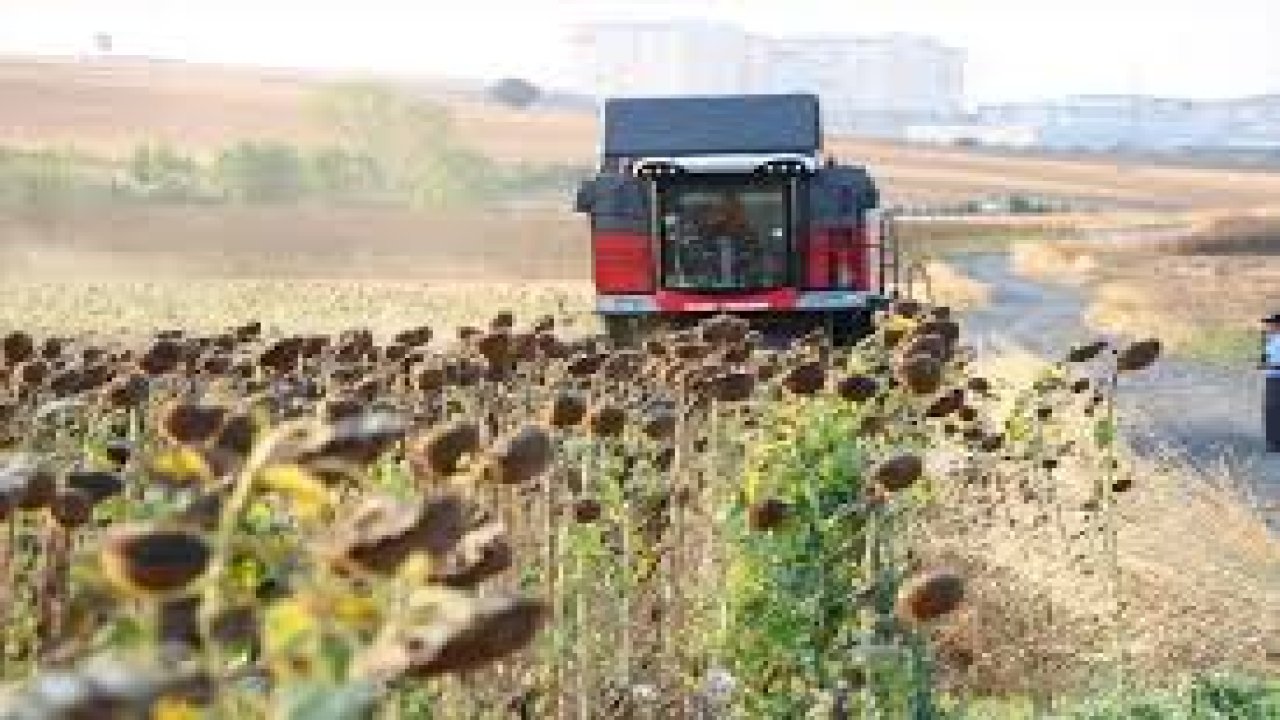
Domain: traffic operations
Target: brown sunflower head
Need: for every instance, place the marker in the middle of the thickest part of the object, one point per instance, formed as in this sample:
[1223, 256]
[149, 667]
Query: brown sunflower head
[482, 553]
[118, 452]
[282, 356]
[521, 456]
[607, 421]
[96, 485]
[979, 384]
[691, 351]
[1085, 353]
[585, 365]
[495, 347]
[443, 450]
[155, 561]
[567, 409]
[929, 596]
[359, 440]
[192, 423]
[17, 347]
[920, 374]
[31, 374]
[946, 404]
[732, 386]
[898, 472]
[503, 321]
[414, 337]
[858, 388]
[490, 629]
[724, 330]
[807, 378]
[622, 365]
[587, 510]
[660, 424]
[383, 532]
[768, 514]
[237, 436]
[28, 482]
[162, 357]
[1138, 356]
[71, 509]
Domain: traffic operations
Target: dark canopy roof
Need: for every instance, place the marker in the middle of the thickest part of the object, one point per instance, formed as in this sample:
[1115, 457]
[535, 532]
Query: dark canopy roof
[675, 126]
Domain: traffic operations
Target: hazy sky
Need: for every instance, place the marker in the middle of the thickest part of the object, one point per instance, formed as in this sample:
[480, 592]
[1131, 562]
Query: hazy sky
[1018, 48]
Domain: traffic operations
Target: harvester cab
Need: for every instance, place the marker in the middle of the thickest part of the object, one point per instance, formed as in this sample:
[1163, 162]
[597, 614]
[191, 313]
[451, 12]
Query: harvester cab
[709, 205]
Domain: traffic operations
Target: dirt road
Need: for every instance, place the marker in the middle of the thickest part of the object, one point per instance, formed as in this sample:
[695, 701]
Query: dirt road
[1208, 414]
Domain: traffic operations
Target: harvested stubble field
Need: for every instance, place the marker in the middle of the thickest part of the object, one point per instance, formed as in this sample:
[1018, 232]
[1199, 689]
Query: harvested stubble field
[1201, 286]
[296, 269]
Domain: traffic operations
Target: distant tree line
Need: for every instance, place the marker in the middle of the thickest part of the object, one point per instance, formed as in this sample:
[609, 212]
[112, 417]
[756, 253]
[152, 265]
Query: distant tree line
[390, 148]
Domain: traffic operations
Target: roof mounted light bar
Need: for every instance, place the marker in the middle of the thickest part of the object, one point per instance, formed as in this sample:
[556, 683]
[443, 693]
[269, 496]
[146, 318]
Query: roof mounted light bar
[654, 168]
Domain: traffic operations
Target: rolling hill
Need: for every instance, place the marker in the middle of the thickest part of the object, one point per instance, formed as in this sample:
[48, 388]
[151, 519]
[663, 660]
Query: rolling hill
[108, 106]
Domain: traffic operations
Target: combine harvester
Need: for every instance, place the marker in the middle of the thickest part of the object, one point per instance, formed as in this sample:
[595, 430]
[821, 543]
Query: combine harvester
[709, 205]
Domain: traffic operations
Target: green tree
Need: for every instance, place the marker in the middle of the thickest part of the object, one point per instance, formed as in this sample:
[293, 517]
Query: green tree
[39, 186]
[515, 92]
[156, 172]
[341, 174]
[262, 172]
[410, 139]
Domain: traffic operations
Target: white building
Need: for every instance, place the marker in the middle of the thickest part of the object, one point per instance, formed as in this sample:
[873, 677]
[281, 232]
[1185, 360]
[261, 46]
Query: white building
[685, 58]
[873, 85]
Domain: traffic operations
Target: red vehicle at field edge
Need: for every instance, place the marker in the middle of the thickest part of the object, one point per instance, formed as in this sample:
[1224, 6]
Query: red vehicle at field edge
[709, 205]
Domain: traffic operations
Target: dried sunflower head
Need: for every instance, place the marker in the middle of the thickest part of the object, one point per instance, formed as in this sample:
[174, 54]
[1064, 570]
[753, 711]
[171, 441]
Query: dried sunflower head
[806, 378]
[415, 337]
[154, 561]
[607, 420]
[768, 514]
[192, 423]
[898, 472]
[16, 348]
[1138, 356]
[567, 410]
[482, 553]
[359, 440]
[921, 374]
[521, 456]
[660, 424]
[487, 630]
[162, 357]
[96, 485]
[929, 596]
[383, 532]
[442, 451]
[71, 509]
[587, 510]
[732, 386]
[858, 388]
[1085, 353]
